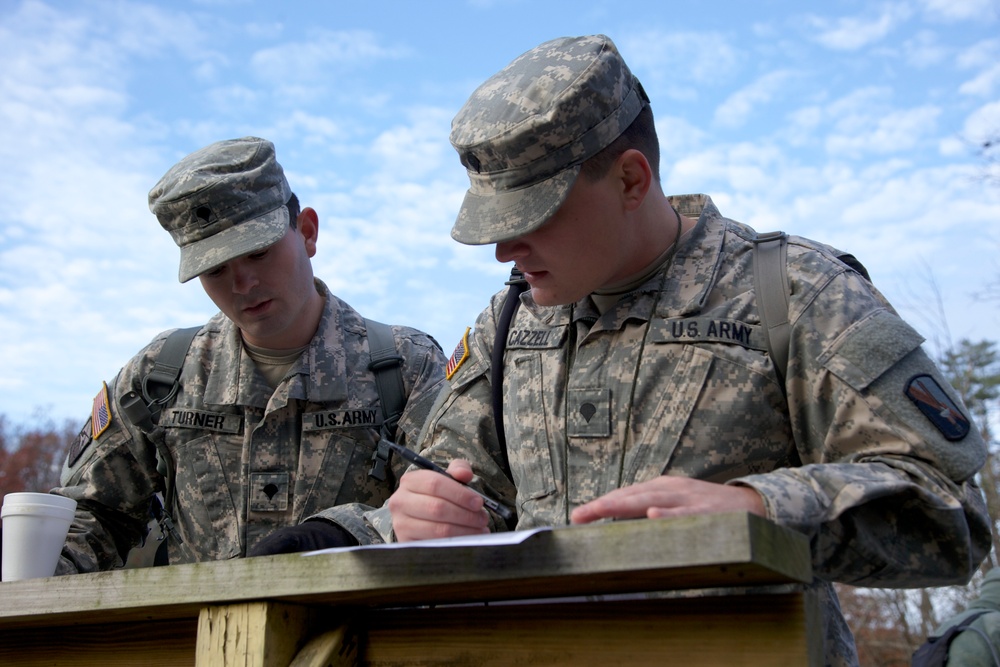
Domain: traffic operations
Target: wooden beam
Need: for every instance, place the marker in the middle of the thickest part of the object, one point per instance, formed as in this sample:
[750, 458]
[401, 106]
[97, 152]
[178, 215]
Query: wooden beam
[759, 630]
[254, 634]
[720, 550]
[169, 643]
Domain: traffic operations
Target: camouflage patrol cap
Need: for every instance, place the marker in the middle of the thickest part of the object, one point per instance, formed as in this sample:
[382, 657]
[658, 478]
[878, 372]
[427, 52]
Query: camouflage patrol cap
[524, 133]
[221, 202]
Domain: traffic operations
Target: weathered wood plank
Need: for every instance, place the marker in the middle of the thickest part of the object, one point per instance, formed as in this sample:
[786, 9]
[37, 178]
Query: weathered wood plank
[733, 549]
[169, 643]
[698, 632]
[259, 612]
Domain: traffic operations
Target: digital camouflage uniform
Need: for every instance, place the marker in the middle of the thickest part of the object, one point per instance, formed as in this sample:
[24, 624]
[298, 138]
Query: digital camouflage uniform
[248, 460]
[244, 458]
[674, 380]
[870, 454]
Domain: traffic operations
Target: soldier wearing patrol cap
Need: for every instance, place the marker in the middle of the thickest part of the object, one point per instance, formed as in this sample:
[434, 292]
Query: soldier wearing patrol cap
[635, 377]
[266, 445]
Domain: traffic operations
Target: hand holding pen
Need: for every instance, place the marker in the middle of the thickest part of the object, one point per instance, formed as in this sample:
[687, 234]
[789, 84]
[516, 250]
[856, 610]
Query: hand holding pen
[426, 464]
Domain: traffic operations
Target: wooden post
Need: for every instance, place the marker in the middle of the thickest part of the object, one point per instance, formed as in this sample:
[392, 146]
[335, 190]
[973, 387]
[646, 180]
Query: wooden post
[251, 634]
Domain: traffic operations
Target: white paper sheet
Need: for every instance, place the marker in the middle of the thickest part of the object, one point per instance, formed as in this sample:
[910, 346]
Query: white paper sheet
[492, 539]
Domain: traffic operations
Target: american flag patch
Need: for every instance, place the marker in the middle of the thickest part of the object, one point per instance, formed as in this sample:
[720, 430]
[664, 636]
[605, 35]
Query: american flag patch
[100, 417]
[460, 354]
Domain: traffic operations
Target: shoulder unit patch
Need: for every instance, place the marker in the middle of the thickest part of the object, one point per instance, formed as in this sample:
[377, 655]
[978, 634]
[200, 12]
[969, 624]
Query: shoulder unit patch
[931, 399]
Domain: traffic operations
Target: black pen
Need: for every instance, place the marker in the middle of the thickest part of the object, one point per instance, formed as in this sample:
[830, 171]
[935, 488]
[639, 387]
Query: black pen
[419, 460]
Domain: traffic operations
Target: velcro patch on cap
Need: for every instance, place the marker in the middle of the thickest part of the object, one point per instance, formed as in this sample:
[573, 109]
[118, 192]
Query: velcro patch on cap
[101, 413]
[938, 407]
[459, 356]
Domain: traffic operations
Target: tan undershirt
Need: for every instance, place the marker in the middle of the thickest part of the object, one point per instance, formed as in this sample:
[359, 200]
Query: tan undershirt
[607, 297]
[273, 364]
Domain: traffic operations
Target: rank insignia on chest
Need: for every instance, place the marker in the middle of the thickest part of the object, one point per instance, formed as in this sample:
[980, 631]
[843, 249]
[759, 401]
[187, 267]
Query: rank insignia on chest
[938, 407]
[459, 356]
[100, 418]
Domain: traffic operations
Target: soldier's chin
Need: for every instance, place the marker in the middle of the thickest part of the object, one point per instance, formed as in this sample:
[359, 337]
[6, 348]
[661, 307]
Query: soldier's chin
[544, 297]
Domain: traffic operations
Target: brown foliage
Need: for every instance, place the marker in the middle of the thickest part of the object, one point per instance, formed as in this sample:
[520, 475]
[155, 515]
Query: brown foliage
[885, 628]
[31, 456]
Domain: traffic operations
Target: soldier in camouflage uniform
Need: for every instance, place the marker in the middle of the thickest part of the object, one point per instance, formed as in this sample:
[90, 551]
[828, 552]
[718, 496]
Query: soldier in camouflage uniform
[635, 377]
[978, 645]
[271, 432]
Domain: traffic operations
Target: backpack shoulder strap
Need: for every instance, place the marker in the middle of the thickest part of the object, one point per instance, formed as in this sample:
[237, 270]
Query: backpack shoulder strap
[386, 364]
[160, 384]
[934, 651]
[511, 301]
[770, 276]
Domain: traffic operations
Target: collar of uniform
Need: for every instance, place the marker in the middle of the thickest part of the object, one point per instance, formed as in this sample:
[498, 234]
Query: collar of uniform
[685, 286]
[682, 288]
[233, 380]
[323, 367]
[230, 374]
[692, 272]
[549, 315]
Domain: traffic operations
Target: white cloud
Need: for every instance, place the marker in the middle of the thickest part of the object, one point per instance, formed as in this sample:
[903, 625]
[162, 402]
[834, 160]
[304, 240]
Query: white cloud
[227, 99]
[738, 106]
[851, 33]
[898, 221]
[983, 84]
[953, 147]
[860, 102]
[753, 167]
[321, 55]
[418, 149]
[492, 4]
[981, 54]
[961, 10]
[925, 49]
[678, 138]
[889, 133]
[864, 122]
[681, 62]
[983, 124]
[803, 125]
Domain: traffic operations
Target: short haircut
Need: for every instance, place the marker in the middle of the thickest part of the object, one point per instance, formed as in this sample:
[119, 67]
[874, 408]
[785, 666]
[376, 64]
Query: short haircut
[293, 209]
[640, 135]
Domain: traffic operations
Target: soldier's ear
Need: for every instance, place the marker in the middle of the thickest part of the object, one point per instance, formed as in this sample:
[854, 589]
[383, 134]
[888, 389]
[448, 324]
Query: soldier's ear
[307, 225]
[636, 176]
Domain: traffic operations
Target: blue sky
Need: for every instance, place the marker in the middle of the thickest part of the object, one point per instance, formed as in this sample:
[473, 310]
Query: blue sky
[851, 122]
